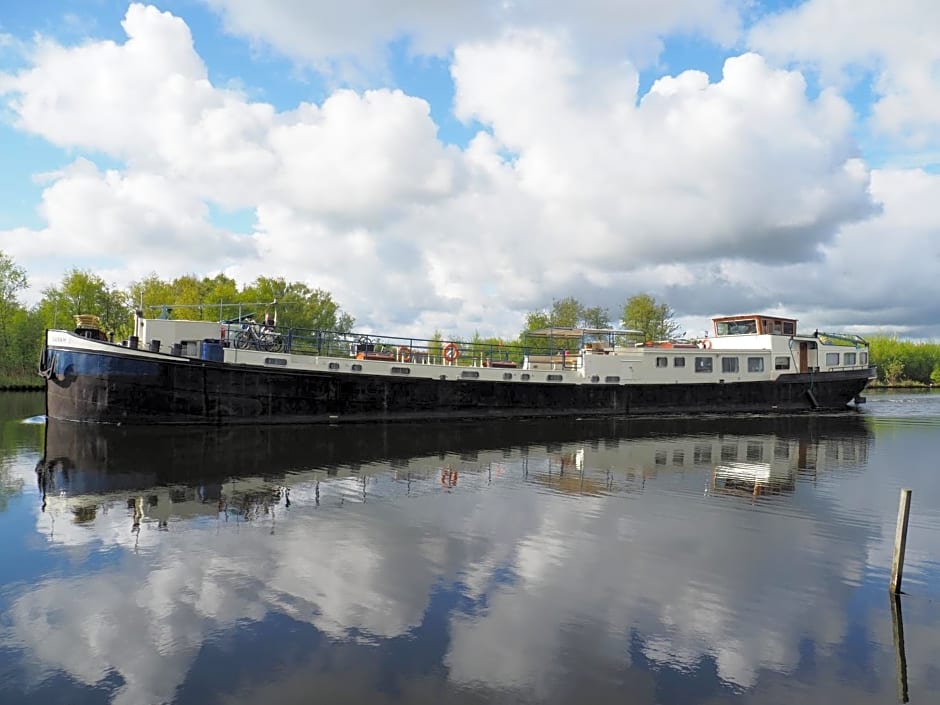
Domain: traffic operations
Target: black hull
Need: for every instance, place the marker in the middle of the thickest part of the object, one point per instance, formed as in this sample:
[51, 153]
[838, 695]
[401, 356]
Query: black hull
[108, 387]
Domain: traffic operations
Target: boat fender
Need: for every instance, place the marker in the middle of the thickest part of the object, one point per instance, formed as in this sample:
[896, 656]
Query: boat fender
[707, 344]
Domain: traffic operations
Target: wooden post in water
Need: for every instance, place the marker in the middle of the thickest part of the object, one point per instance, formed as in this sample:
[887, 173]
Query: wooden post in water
[900, 542]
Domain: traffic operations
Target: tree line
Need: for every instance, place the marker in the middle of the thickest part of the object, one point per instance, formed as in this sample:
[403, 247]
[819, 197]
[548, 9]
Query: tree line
[301, 306]
[220, 298]
[905, 362]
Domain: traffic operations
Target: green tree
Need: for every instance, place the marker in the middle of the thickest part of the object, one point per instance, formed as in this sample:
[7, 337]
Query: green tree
[150, 293]
[85, 292]
[893, 371]
[567, 312]
[595, 317]
[12, 282]
[298, 305]
[653, 319]
[564, 313]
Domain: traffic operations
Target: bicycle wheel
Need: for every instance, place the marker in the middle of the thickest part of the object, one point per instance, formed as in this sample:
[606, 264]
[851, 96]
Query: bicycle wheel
[242, 340]
[272, 343]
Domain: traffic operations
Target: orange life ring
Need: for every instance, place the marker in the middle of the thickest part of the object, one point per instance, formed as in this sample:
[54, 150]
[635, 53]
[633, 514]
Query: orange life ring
[451, 352]
[448, 476]
[404, 353]
[707, 344]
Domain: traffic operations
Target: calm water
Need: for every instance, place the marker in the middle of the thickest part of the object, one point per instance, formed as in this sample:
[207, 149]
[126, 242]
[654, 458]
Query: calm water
[711, 560]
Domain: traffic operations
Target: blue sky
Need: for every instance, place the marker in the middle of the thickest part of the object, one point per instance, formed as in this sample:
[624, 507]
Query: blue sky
[722, 155]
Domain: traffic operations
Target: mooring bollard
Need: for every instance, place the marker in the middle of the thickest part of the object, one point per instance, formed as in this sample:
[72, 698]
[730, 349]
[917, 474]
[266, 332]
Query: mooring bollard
[900, 542]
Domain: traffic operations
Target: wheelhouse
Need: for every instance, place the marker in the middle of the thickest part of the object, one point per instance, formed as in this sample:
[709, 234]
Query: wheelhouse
[754, 324]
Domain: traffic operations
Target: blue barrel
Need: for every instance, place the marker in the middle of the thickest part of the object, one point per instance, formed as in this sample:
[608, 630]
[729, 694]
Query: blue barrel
[211, 349]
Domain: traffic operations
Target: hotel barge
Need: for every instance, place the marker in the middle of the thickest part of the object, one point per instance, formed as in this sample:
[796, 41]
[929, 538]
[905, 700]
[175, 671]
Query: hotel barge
[197, 372]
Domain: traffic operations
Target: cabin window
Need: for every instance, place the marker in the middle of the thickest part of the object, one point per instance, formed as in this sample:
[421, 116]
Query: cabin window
[755, 451]
[401, 370]
[554, 378]
[863, 358]
[612, 380]
[678, 458]
[848, 359]
[788, 328]
[832, 359]
[755, 364]
[729, 364]
[659, 458]
[595, 378]
[678, 362]
[662, 362]
[279, 361]
[357, 368]
[703, 364]
[702, 455]
[470, 374]
[729, 452]
[334, 365]
[525, 377]
[781, 363]
[507, 375]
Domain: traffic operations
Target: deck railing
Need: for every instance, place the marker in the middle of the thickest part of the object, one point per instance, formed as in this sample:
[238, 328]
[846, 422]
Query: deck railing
[308, 341]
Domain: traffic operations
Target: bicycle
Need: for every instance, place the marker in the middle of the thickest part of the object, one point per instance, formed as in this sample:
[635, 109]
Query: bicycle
[259, 337]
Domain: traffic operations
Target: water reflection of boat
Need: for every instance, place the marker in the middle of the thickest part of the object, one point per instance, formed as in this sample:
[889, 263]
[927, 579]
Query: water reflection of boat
[755, 465]
[201, 471]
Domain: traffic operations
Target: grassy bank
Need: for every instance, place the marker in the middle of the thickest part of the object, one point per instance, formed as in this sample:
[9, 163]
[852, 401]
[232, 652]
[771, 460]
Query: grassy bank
[905, 362]
[21, 382]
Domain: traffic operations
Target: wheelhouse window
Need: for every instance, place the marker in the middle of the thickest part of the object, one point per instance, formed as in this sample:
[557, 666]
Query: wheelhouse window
[729, 364]
[863, 358]
[781, 363]
[737, 327]
[678, 362]
[755, 364]
[703, 364]
[848, 358]
[832, 359]
[788, 328]
[662, 362]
